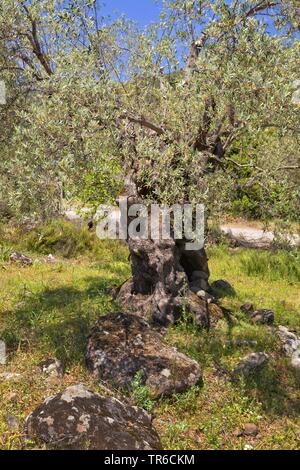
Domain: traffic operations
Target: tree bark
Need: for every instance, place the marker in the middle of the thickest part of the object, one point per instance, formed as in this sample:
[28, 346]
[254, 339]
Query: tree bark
[163, 282]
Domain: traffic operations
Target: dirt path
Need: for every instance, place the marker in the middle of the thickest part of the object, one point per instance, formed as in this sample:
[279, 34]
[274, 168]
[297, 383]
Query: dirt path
[253, 236]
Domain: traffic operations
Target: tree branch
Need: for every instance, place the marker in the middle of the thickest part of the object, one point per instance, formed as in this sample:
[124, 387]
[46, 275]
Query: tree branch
[35, 43]
[142, 121]
[261, 6]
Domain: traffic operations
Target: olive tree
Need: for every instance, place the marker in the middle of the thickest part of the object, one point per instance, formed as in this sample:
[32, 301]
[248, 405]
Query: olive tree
[183, 107]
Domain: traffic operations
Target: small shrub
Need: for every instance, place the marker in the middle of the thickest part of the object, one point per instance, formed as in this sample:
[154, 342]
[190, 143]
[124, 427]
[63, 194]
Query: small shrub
[62, 238]
[5, 252]
[282, 265]
[187, 401]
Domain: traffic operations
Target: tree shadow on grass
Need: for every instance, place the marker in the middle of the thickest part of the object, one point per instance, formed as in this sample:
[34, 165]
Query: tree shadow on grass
[57, 321]
[276, 386]
[276, 390]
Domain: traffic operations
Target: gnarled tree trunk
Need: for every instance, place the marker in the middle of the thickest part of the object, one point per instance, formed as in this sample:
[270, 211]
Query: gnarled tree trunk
[165, 278]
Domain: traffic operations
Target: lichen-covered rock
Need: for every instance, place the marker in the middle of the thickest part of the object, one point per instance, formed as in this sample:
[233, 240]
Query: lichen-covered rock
[251, 363]
[121, 345]
[80, 419]
[198, 308]
[216, 313]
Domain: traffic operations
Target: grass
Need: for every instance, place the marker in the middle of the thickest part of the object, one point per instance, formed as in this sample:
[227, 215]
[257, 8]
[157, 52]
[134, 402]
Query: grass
[46, 310]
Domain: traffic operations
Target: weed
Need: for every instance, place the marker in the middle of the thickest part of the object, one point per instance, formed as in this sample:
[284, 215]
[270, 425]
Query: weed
[141, 393]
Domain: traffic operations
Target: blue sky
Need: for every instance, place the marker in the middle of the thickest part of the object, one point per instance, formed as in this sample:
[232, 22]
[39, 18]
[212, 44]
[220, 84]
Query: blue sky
[143, 11]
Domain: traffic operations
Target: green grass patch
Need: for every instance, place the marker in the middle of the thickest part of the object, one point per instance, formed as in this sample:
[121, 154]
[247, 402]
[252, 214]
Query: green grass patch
[47, 310]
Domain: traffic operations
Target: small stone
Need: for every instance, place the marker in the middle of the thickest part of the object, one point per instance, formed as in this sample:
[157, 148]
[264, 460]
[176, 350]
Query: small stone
[205, 296]
[251, 363]
[250, 429]
[9, 377]
[247, 308]
[21, 259]
[11, 397]
[52, 367]
[263, 317]
[12, 422]
[51, 259]
[248, 447]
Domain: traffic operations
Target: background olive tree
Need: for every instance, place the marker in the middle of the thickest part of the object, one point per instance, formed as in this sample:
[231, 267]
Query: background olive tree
[199, 106]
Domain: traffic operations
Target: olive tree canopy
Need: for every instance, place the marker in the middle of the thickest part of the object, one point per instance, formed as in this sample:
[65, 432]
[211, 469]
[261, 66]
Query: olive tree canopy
[196, 105]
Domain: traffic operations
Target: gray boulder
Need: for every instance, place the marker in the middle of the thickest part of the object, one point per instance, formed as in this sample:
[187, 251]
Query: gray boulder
[80, 419]
[121, 345]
